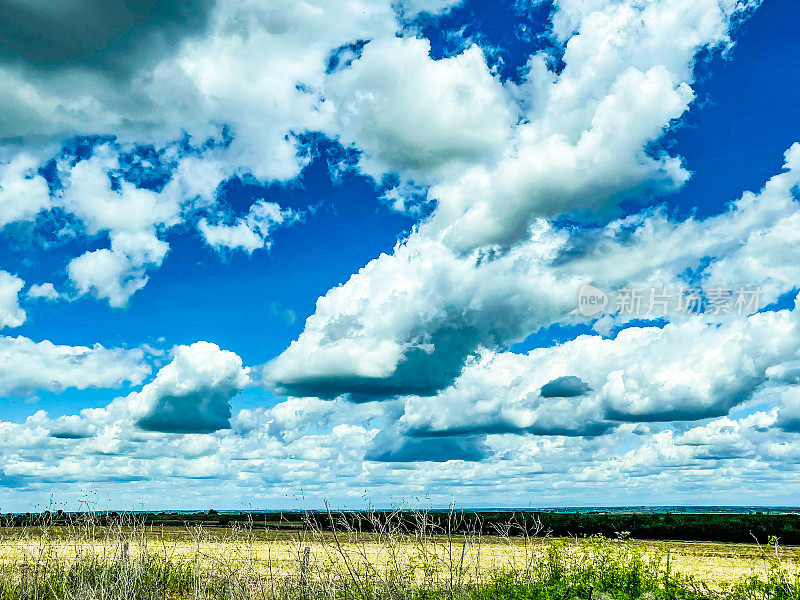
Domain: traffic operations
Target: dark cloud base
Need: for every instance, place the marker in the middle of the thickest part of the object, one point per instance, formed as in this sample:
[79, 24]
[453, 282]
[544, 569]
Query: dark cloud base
[111, 36]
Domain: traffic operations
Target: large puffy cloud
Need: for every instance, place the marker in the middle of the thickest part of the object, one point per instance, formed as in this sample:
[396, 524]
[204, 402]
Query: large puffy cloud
[723, 458]
[683, 371]
[27, 366]
[335, 451]
[191, 394]
[604, 165]
[416, 115]
[626, 75]
[407, 322]
[257, 69]
[502, 394]
[237, 81]
[410, 321]
[700, 371]
[592, 121]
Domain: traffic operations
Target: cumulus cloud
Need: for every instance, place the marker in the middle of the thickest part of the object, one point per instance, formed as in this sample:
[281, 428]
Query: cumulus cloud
[191, 394]
[23, 192]
[125, 440]
[105, 204]
[343, 451]
[27, 366]
[116, 273]
[407, 322]
[152, 74]
[135, 219]
[11, 315]
[405, 111]
[412, 114]
[626, 77]
[682, 372]
[250, 232]
[726, 438]
[43, 291]
[426, 328]
[239, 82]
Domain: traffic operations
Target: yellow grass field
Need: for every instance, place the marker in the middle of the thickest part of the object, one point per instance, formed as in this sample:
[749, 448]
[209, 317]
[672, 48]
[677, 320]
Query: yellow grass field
[281, 553]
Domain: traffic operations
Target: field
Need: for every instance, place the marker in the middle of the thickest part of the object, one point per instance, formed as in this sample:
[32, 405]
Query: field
[134, 560]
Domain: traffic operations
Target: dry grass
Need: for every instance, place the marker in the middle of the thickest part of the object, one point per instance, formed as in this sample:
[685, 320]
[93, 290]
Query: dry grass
[264, 563]
[713, 563]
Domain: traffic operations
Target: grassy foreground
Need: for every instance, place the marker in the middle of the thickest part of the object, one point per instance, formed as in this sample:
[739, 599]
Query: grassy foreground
[129, 560]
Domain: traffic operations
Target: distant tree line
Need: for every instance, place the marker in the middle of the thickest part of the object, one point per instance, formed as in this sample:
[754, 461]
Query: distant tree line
[699, 526]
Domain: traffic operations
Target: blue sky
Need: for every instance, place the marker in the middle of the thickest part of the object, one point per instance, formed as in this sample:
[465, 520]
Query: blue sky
[339, 249]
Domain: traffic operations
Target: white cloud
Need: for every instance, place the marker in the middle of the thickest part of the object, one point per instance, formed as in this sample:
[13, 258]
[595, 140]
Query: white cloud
[582, 139]
[330, 459]
[44, 291]
[116, 273]
[724, 458]
[407, 322]
[11, 315]
[258, 69]
[23, 192]
[134, 219]
[685, 371]
[627, 70]
[249, 77]
[191, 394]
[27, 366]
[90, 195]
[412, 114]
[250, 232]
